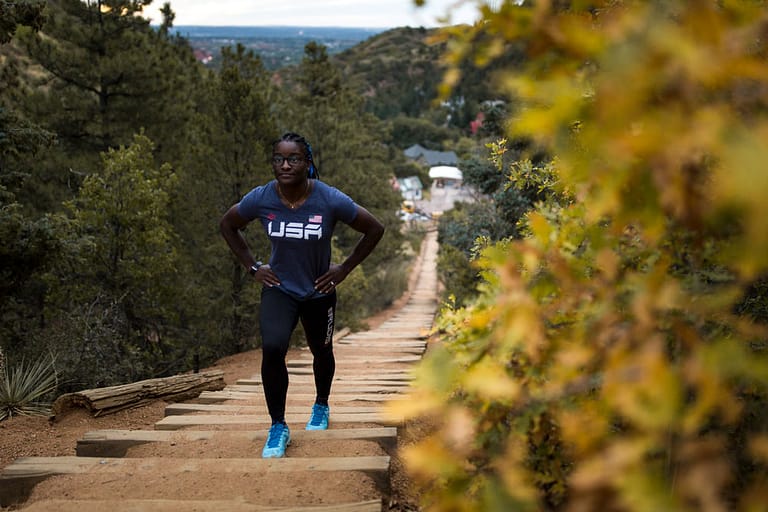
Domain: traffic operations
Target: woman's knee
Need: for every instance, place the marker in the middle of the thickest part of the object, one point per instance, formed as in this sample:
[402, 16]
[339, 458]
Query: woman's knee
[321, 349]
[274, 351]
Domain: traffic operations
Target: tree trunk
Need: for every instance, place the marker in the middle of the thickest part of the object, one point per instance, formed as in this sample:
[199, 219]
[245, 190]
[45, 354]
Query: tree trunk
[112, 399]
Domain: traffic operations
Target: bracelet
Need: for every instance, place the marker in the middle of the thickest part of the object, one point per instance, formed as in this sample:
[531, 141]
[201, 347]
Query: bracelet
[255, 268]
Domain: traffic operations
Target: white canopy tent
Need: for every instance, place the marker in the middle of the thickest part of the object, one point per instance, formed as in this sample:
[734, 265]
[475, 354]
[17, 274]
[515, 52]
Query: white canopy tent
[446, 172]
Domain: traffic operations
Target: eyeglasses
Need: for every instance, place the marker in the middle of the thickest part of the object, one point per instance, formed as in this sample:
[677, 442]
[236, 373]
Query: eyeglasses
[292, 160]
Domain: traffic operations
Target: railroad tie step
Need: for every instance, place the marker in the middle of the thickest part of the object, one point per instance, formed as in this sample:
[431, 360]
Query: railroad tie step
[196, 505]
[202, 420]
[256, 393]
[310, 389]
[392, 380]
[115, 443]
[19, 477]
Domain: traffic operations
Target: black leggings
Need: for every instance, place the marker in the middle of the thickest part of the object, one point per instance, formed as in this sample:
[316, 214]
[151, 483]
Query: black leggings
[278, 318]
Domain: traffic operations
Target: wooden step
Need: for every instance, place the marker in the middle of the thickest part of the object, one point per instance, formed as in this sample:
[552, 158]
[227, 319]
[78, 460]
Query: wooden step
[373, 360]
[407, 338]
[195, 420]
[308, 376]
[337, 383]
[348, 373]
[67, 465]
[374, 341]
[211, 397]
[19, 477]
[187, 408]
[336, 389]
[197, 506]
[189, 505]
[114, 443]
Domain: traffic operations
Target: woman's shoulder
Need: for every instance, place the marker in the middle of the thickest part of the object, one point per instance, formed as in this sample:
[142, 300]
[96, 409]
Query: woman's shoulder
[335, 199]
[260, 190]
[326, 189]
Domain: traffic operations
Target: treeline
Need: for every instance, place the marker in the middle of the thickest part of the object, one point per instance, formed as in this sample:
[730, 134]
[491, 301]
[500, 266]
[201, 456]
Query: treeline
[118, 155]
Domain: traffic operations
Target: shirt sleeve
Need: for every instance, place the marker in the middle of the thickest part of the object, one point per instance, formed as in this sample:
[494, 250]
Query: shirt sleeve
[248, 208]
[345, 209]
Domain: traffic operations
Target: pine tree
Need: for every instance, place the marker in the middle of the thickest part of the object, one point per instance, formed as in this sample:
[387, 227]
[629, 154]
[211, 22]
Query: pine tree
[29, 242]
[107, 75]
[118, 297]
[25, 12]
[234, 130]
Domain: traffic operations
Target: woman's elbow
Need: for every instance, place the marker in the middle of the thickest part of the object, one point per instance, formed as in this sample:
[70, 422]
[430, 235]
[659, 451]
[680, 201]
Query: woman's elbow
[378, 231]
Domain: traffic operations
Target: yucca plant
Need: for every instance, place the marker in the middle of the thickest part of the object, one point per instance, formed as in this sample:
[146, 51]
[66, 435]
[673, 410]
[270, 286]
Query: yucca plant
[23, 388]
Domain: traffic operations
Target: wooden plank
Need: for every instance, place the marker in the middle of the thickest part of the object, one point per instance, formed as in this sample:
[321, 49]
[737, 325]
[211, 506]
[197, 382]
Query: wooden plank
[115, 443]
[416, 328]
[186, 408]
[362, 359]
[308, 398]
[68, 465]
[376, 344]
[248, 435]
[351, 372]
[362, 343]
[18, 479]
[124, 505]
[337, 383]
[304, 380]
[404, 334]
[345, 351]
[195, 420]
[308, 389]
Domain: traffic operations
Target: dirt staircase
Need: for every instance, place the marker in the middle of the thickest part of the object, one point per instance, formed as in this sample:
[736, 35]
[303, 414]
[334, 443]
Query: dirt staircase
[205, 455]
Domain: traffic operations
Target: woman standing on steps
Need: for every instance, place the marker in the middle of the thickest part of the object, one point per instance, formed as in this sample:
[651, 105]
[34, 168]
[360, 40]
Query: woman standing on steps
[298, 213]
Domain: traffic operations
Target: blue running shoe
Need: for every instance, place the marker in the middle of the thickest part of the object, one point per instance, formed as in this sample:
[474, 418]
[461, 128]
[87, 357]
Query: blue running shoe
[319, 418]
[279, 438]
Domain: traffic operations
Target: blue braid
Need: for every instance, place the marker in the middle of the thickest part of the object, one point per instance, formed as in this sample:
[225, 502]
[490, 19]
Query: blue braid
[312, 169]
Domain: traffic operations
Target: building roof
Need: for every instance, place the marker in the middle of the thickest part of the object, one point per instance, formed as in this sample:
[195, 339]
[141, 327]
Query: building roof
[431, 158]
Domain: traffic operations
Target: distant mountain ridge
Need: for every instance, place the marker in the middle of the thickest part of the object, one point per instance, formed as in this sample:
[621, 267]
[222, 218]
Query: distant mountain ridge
[277, 46]
[397, 70]
[205, 31]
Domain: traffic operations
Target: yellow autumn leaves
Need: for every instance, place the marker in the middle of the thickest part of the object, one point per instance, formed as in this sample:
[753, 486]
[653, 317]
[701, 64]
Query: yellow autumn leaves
[604, 365]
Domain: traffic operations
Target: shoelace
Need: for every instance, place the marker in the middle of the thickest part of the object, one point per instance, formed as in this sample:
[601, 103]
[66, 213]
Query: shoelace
[318, 412]
[275, 434]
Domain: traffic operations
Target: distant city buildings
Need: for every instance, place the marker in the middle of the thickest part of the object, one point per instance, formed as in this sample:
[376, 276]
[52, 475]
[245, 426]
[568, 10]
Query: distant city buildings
[411, 187]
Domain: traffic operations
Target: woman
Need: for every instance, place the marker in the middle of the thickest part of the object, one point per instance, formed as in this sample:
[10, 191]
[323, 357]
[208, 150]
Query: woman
[298, 212]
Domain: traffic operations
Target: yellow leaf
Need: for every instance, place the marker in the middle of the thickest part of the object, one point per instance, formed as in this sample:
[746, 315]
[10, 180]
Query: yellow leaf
[584, 427]
[758, 446]
[605, 467]
[607, 263]
[416, 403]
[430, 459]
[488, 379]
[540, 228]
[644, 386]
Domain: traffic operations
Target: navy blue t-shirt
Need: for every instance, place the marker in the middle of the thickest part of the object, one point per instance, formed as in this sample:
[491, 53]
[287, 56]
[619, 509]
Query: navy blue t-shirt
[301, 238]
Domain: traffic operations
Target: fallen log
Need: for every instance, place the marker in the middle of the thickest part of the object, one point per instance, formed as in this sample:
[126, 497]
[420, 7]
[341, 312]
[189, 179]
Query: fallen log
[108, 400]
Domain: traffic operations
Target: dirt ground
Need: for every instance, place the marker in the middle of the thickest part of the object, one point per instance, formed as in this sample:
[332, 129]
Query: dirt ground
[37, 436]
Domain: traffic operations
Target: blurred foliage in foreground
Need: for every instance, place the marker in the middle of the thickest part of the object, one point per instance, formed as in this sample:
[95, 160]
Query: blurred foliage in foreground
[615, 357]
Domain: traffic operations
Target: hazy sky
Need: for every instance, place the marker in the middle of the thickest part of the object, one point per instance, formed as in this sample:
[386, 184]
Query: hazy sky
[315, 13]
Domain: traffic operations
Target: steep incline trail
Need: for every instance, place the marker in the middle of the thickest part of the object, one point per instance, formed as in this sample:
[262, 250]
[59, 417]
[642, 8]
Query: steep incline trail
[205, 454]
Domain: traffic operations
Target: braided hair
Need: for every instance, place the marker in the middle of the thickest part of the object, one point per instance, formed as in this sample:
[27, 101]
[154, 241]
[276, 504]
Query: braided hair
[295, 137]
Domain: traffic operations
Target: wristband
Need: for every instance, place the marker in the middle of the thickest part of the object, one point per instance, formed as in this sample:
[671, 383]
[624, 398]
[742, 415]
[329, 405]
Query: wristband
[255, 268]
